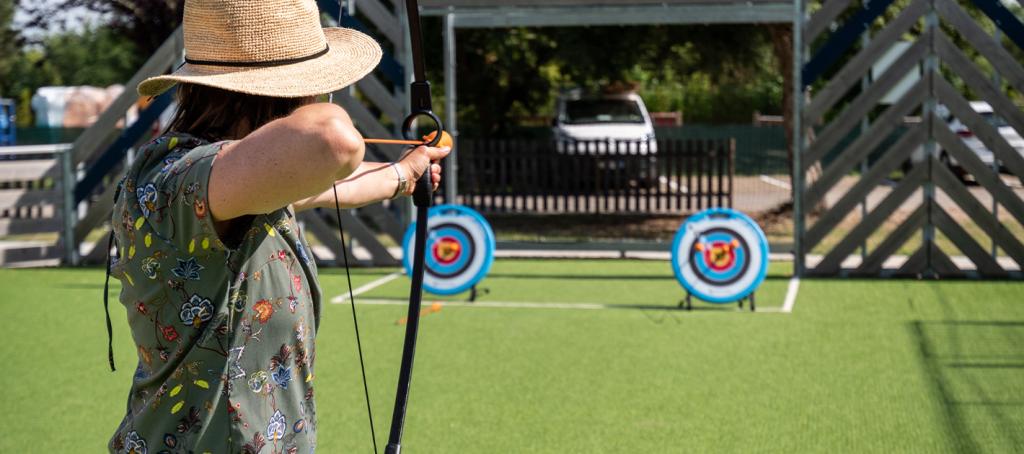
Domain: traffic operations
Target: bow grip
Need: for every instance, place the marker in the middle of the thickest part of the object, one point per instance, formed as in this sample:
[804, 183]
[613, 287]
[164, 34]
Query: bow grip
[421, 196]
[424, 190]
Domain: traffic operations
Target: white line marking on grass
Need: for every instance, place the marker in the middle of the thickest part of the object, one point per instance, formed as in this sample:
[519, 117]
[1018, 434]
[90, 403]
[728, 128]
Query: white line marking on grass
[776, 182]
[790, 301]
[506, 304]
[366, 288]
[540, 305]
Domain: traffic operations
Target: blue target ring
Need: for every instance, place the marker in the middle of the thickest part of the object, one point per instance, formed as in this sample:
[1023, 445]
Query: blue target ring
[450, 234]
[720, 255]
[460, 249]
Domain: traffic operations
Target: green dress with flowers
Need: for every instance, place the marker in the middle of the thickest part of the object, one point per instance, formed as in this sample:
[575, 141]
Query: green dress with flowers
[224, 332]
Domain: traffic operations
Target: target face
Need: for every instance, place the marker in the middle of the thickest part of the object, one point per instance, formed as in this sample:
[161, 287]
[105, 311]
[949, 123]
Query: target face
[460, 249]
[720, 255]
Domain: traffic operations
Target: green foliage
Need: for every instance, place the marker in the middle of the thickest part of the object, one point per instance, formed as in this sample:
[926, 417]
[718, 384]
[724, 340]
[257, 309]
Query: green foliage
[711, 73]
[23, 113]
[8, 45]
[92, 56]
[97, 56]
[146, 23]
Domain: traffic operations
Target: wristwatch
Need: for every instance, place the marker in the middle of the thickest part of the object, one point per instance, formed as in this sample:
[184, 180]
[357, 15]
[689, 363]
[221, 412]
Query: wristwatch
[403, 184]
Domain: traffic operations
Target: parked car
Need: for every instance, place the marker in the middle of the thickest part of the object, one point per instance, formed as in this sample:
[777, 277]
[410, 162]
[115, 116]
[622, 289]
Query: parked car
[598, 120]
[615, 130]
[972, 142]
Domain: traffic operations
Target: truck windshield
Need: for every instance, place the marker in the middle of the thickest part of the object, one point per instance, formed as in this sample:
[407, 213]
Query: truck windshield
[589, 111]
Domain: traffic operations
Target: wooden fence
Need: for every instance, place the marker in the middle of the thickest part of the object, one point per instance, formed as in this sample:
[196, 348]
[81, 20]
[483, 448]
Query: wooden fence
[32, 200]
[543, 176]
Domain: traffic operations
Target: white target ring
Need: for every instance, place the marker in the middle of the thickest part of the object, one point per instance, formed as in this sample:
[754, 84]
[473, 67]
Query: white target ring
[720, 255]
[459, 252]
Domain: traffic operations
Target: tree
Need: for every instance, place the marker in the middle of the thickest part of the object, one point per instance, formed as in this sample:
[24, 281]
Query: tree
[9, 45]
[92, 56]
[146, 23]
[712, 73]
[96, 56]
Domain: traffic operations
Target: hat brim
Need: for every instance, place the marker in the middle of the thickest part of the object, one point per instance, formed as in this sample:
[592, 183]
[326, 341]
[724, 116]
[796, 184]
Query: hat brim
[352, 55]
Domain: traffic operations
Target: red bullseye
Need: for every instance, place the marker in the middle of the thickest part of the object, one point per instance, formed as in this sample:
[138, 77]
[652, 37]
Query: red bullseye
[447, 250]
[720, 256]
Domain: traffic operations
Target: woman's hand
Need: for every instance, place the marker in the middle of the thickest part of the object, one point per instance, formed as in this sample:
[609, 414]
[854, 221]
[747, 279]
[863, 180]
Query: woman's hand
[417, 161]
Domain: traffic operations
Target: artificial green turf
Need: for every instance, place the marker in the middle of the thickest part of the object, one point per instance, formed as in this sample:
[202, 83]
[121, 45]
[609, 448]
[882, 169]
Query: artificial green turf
[860, 366]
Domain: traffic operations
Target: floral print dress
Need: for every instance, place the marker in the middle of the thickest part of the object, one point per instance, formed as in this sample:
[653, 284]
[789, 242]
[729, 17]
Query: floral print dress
[224, 334]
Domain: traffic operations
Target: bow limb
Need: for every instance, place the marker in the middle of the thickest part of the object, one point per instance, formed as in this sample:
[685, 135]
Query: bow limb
[420, 106]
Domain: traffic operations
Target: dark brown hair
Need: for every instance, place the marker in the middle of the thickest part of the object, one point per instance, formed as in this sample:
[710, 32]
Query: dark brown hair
[214, 114]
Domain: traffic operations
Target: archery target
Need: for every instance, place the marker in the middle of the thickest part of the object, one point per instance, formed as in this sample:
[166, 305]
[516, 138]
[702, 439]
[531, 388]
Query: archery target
[460, 249]
[720, 255]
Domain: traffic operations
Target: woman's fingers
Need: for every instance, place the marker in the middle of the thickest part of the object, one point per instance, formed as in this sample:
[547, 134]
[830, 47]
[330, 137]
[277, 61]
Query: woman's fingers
[437, 154]
[421, 157]
[418, 161]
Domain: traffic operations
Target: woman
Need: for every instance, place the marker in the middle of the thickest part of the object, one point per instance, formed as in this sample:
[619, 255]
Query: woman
[219, 284]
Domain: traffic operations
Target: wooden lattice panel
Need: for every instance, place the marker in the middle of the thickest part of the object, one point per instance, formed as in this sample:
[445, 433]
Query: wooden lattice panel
[887, 200]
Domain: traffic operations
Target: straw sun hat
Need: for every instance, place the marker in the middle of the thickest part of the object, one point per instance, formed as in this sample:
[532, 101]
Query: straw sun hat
[267, 47]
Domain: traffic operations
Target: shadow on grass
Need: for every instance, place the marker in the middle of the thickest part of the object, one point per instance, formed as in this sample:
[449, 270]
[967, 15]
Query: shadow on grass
[966, 382]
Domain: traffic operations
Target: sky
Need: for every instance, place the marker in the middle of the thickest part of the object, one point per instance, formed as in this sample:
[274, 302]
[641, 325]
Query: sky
[77, 18]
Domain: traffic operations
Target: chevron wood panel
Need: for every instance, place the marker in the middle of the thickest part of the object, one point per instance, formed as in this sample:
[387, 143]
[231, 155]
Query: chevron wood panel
[869, 181]
[862, 145]
[824, 17]
[852, 73]
[386, 25]
[871, 139]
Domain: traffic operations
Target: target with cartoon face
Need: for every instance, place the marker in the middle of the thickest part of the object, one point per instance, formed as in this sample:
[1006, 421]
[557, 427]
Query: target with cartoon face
[460, 249]
[720, 255]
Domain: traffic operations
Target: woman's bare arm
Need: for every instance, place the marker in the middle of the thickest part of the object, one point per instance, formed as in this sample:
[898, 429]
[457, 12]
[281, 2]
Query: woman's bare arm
[376, 181]
[288, 159]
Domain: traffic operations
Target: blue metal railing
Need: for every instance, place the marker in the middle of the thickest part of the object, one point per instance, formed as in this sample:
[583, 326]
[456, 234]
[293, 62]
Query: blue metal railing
[114, 154]
[840, 41]
[7, 131]
[1004, 19]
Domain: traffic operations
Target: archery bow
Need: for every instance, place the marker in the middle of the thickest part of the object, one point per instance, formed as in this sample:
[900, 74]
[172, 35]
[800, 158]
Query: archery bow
[420, 106]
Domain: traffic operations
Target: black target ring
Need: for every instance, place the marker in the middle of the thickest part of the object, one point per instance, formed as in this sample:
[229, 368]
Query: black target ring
[471, 252]
[743, 267]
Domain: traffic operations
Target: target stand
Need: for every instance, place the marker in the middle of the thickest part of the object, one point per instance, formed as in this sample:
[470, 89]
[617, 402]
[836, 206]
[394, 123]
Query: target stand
[473, 293]
[720, 256]
[687, 303]
[460, 250]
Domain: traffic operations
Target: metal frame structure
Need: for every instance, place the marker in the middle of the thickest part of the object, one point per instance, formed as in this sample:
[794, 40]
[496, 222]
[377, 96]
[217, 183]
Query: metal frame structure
[468, 14]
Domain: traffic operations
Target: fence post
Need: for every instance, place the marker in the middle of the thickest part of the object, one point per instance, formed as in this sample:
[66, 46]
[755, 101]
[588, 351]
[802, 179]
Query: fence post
[68, 215]
[451, 192]
[731, 156]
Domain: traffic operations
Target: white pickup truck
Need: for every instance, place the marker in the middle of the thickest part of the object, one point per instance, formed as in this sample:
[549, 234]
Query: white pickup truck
[589, 124]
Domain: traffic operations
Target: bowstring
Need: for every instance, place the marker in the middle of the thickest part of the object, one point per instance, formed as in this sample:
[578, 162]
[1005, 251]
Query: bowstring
[355, 319]
[348, 275]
